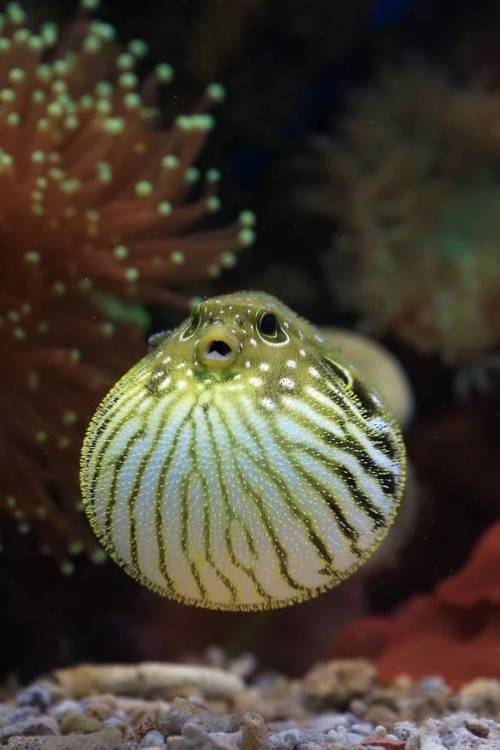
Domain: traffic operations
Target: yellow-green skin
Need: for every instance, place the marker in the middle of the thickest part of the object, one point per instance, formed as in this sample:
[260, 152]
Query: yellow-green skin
[241, 465]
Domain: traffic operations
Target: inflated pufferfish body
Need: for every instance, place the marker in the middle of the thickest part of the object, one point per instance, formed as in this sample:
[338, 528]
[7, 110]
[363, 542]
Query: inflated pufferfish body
[241, 464]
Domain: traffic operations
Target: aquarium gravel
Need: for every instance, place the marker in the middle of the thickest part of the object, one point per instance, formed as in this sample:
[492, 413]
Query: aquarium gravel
[339, 705]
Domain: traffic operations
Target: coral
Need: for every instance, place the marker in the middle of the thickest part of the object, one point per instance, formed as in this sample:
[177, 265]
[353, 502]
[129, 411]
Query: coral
[59, 357]
[96, 218]
[415, 193]
[452, 632]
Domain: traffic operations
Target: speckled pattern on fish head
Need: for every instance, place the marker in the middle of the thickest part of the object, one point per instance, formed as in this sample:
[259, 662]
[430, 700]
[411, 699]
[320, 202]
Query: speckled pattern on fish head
[242, 464]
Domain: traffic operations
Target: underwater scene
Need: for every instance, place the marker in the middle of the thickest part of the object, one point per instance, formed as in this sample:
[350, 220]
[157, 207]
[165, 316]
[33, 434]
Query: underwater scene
[250, 394]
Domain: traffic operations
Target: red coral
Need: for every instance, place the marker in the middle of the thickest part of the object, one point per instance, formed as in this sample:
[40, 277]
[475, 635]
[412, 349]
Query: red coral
[453, 632]
[94, 203]
[478, 583]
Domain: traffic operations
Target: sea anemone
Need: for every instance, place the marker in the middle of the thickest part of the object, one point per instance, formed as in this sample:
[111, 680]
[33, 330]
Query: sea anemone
[411, 182]
[58, 358]
[452, 632]
[95, 219]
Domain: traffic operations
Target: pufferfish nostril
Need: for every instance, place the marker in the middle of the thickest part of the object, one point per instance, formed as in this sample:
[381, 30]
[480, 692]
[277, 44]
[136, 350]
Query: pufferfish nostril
[218, 349]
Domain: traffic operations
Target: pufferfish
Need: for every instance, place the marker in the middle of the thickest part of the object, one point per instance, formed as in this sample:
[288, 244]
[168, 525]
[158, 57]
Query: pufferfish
[241, 464]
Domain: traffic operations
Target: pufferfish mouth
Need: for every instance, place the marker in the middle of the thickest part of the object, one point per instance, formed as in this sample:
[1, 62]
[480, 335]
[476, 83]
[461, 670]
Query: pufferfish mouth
[217, 349]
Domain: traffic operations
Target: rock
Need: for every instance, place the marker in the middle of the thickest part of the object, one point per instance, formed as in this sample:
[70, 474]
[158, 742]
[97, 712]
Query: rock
[274, 700]
[119, 723]
[288, 739]
[15, 714]
[337, 706]
[255, 735]
[481, 695]
[149, 679]
[103, 707]
[152, 740]
[135, 709]
[34, 726]
[243, 666]
[336, 683]
[181, 712]
[384, 744]
[195, 737]
[67, 706]
[79, 723]
[404, 730]
[380, 713]
[35, 696]
[185, 712]
[433, 684]
[107, 739]
[477, 727]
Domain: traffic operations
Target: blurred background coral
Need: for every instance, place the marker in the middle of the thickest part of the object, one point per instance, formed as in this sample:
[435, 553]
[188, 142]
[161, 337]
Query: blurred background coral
[365, 139]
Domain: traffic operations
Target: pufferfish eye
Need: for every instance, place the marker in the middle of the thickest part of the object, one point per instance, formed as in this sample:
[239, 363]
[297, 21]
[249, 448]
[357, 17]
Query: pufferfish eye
[270, 328]
[192, 326]
[268, 324]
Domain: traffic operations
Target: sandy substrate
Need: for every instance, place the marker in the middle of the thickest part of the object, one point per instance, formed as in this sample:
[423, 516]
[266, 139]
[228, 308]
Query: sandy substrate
[338, 705]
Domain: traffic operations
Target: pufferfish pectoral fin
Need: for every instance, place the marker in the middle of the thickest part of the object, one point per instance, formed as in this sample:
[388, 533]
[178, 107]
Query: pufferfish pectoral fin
[337, 369]
[372, 452]
[158, 338]
[366, 395]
